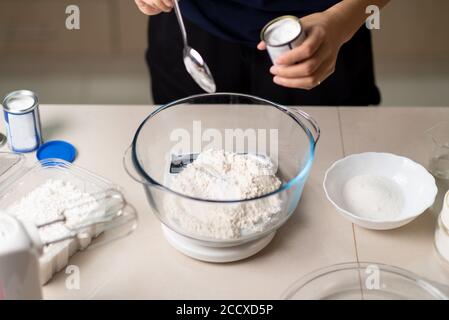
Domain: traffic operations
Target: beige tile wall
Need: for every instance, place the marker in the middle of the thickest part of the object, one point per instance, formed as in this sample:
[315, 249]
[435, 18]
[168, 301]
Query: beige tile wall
[411, 50]
[413, 29]
[409, 28]
[108, 27]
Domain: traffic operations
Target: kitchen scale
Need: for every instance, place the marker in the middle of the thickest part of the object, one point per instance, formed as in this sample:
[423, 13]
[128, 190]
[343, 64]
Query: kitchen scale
[205, 250]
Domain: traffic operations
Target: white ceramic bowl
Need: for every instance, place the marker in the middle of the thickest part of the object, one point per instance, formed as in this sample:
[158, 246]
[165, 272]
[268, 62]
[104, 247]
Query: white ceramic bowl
[412, 181]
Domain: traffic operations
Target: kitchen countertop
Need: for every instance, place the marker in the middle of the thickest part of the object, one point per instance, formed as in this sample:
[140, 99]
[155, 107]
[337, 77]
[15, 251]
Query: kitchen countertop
[145, 266]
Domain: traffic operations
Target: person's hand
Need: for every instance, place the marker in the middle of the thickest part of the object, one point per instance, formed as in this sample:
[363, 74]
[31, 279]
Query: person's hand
[309, 64]
[153, 7]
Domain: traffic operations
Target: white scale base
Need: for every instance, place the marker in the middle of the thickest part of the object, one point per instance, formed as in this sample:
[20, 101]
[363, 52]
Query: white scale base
[196, 250]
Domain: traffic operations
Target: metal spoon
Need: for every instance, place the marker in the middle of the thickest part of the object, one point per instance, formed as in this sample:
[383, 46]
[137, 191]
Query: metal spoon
[193, 61]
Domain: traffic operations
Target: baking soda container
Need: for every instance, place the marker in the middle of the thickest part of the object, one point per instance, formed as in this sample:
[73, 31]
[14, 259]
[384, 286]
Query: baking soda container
[442, 231]
[281, 35]
[21, 111]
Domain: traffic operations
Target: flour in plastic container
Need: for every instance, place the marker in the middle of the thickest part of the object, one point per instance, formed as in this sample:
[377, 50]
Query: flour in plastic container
[50, 201]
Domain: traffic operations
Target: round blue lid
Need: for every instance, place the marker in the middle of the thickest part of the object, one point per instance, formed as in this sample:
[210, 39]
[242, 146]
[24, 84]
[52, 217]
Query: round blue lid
[56, 149]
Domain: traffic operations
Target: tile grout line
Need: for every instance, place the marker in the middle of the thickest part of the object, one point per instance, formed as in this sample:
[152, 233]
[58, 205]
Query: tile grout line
[340, 127]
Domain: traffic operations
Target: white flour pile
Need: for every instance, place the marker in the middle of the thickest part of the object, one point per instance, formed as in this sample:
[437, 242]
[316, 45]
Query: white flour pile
[49, 201]
[373, 197]
[220, 175]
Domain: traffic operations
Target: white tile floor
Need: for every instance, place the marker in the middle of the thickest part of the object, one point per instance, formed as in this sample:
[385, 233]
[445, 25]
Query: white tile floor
[125, 80]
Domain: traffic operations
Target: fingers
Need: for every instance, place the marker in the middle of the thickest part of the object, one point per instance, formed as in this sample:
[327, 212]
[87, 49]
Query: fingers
[307, 49]
[310, 82]
[303, 69]
[164, 5]
[152, 7]
[146, 8]
[261, 45]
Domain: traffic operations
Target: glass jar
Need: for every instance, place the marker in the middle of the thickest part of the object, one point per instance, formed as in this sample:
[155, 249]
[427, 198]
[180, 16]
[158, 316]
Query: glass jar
[442, 231]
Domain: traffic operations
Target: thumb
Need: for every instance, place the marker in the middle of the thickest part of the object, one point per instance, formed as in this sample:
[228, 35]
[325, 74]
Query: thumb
[261, 45]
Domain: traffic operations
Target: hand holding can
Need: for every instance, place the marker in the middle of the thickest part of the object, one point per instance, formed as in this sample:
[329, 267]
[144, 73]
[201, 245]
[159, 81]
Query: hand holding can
[309, 59]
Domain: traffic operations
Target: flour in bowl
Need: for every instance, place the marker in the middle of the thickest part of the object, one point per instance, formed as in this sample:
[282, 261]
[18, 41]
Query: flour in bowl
[221, 175]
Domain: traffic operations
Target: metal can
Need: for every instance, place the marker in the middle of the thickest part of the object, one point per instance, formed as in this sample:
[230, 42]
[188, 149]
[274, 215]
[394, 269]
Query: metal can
[22, 121]
[281, 35]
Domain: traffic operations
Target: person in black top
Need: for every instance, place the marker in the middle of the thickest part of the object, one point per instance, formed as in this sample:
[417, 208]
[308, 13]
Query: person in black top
[334, 65]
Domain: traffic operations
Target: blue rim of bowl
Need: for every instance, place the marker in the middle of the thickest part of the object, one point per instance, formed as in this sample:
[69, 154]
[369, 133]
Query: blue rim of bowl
[376, 221]
[285, 186]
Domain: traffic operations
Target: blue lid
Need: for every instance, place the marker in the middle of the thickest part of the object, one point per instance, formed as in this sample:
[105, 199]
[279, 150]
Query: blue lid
[56, 149]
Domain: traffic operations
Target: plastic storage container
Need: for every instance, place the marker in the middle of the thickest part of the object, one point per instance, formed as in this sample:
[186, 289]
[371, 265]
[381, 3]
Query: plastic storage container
[17, 180]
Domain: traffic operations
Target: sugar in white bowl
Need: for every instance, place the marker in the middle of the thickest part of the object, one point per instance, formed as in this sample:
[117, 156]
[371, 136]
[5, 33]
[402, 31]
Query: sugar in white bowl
[374, 197]
[379, 191]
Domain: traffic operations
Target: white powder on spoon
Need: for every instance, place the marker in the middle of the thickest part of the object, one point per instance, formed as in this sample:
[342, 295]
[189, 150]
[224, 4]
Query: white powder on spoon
[373, 197]
[221, 175]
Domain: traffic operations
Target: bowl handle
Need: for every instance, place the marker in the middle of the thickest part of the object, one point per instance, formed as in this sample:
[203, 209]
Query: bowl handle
[313, 125]
[129, 167]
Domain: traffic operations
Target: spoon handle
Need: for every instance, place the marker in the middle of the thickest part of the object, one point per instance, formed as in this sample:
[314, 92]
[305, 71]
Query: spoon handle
[181, 22]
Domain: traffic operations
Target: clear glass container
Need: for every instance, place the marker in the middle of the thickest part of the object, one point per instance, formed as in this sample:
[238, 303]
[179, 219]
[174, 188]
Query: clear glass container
[233, 122]
[364, 281]
[439, 161]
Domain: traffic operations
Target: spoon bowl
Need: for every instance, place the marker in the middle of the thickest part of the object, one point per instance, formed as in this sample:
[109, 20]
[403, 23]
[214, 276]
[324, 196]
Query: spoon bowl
[199, 70]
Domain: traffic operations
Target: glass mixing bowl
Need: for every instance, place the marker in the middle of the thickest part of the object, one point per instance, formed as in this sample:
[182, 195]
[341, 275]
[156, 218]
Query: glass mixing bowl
[178, 131]
[364, 281]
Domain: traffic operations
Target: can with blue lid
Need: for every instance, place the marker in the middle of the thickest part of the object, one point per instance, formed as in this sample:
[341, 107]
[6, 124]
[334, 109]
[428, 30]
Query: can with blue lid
[22, 121]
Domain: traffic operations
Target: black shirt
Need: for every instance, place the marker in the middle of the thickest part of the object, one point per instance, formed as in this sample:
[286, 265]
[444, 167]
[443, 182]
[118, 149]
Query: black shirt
[242, 20]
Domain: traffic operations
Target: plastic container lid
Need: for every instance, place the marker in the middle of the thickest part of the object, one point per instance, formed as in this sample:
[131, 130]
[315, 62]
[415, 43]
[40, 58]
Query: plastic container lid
[56, 149]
